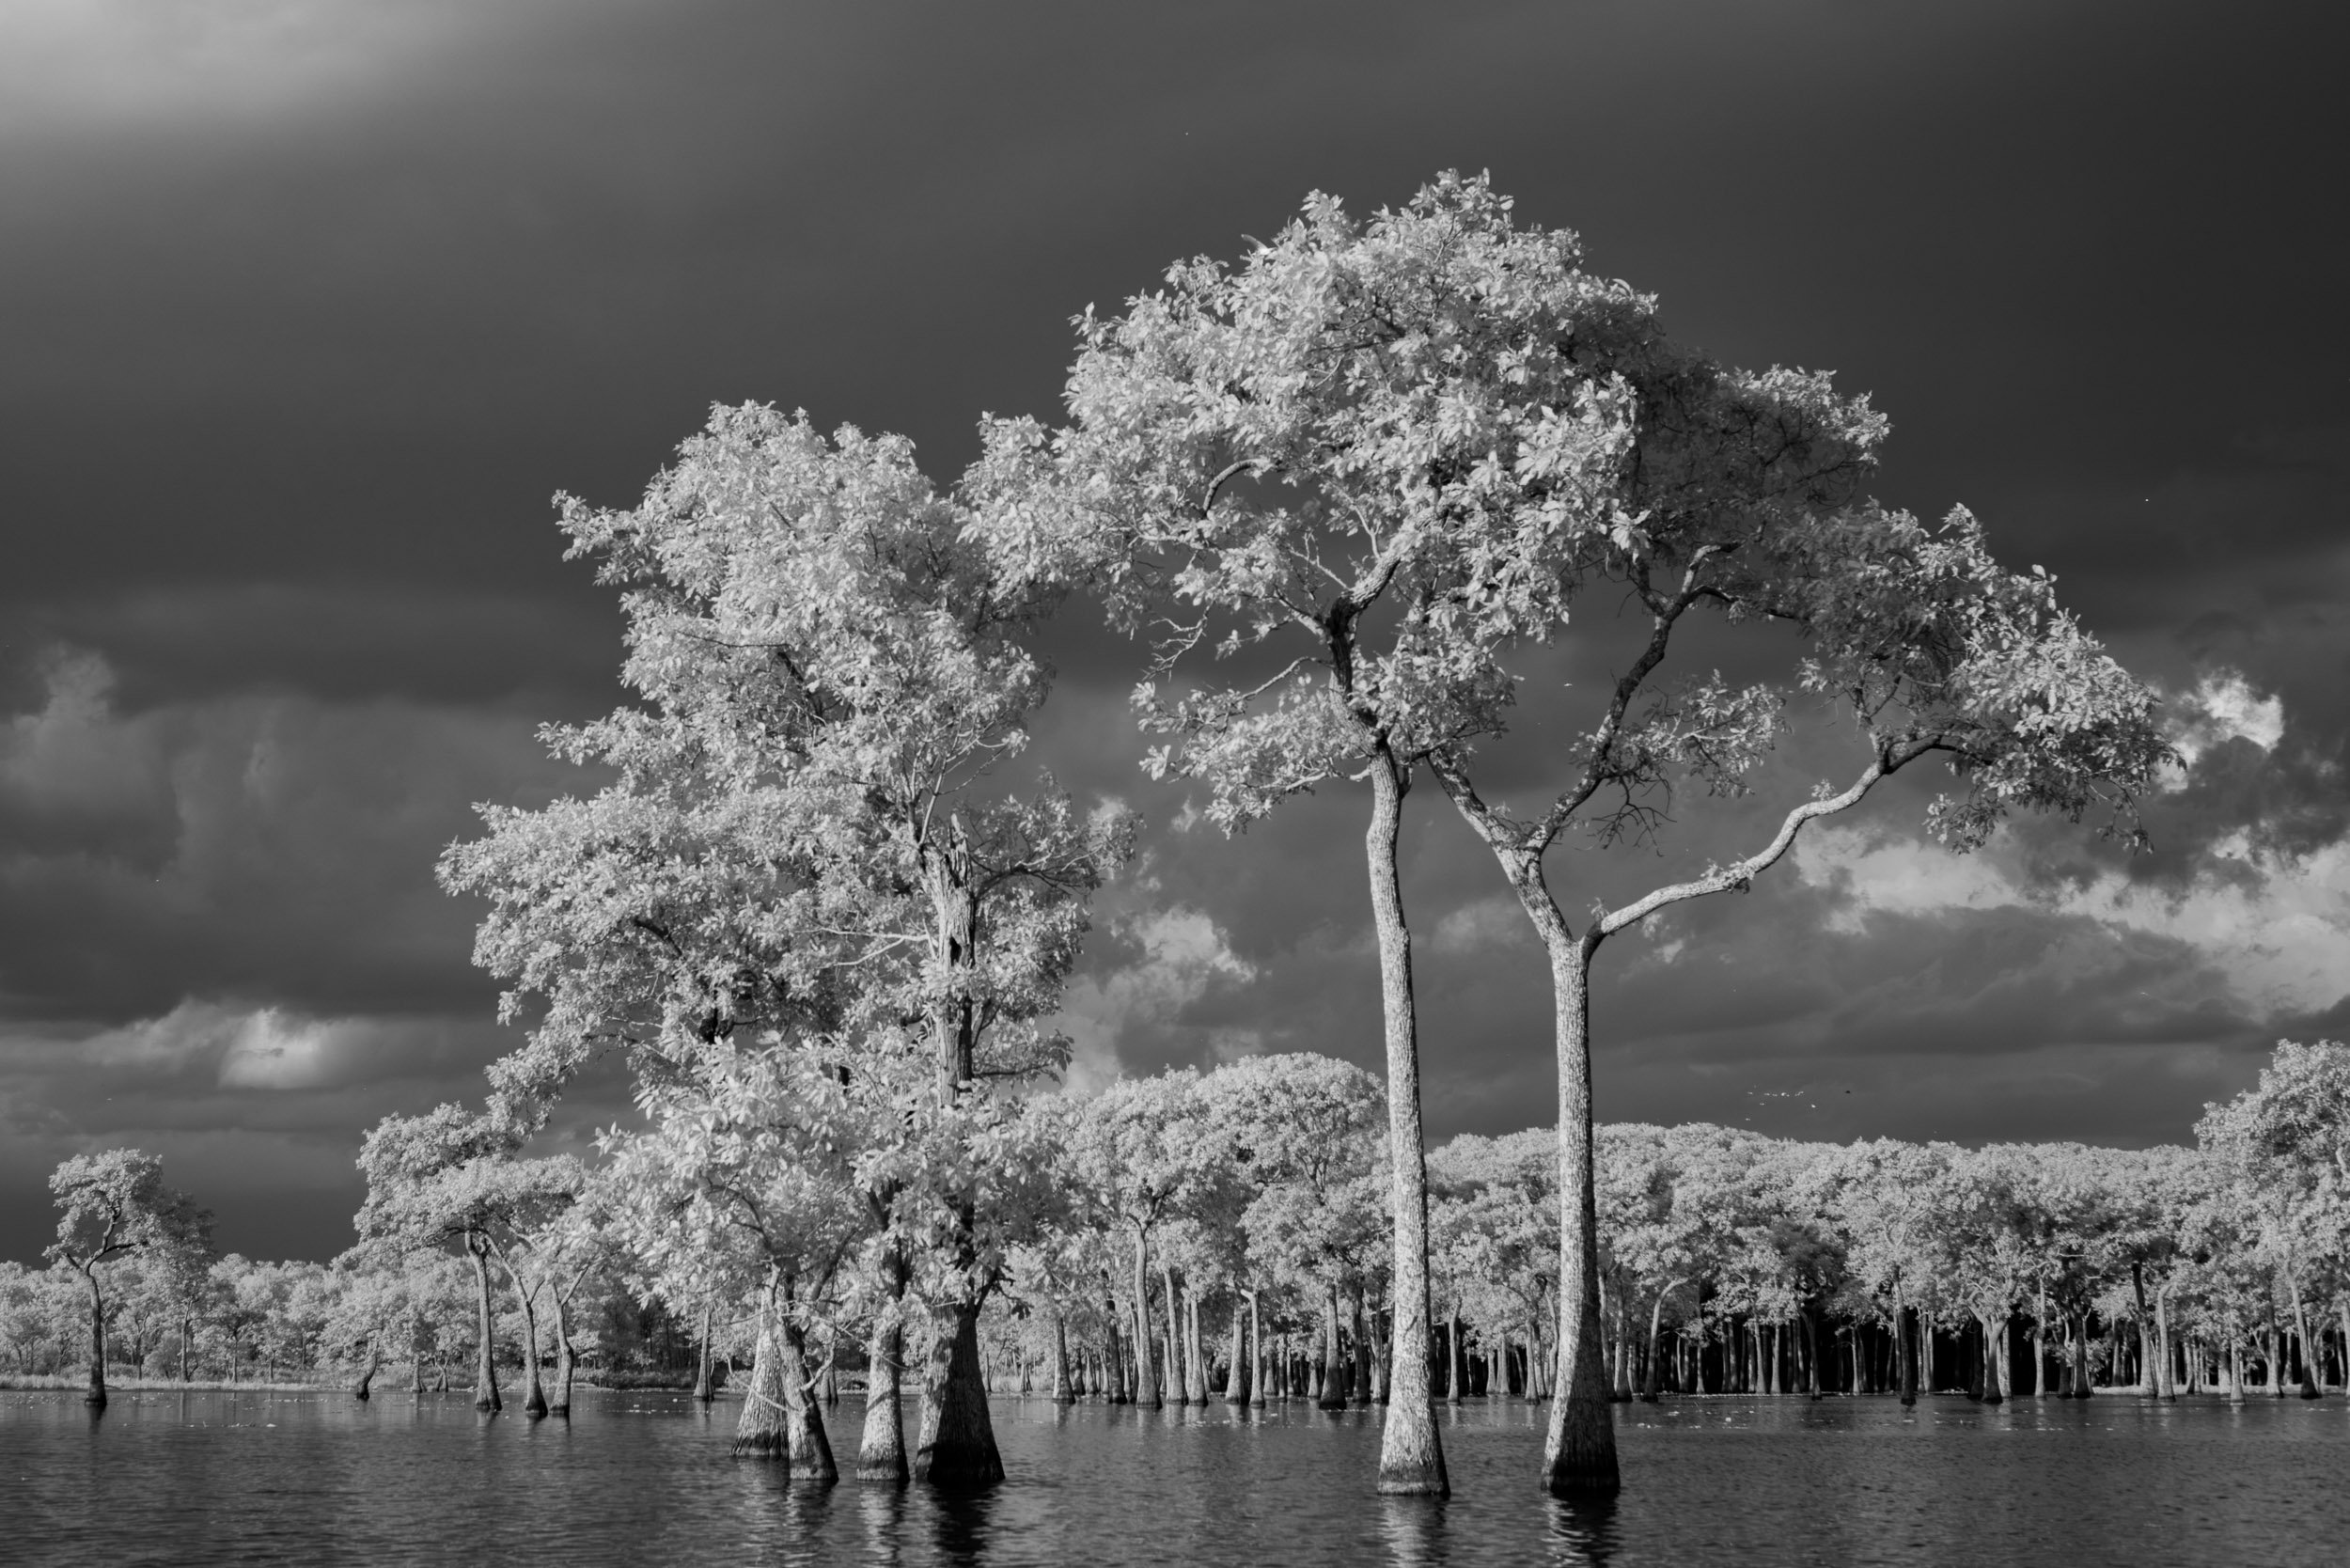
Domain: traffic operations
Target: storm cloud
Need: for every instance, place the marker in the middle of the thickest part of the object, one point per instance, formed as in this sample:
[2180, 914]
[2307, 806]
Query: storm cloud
[310, 308]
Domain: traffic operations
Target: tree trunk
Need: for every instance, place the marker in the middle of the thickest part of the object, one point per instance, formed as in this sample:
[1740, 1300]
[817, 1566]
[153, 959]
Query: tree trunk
[881, 1454]
[1994, 1359]
[1620, 1388]
[1655, 1356]
[2301, 1338]
[361, 1389]
[1113, 1363]
[1331, 1386]
[1456, 1355]
[2164, 1387]
[96, 1395]
[1062, 1392]
[806, 1445]
[533, 1393]
[1240, 1388]
[1411, 1456]
[1193, 1347]
[1906, 1350]
[485, 1377]
[957, 1445]
[1177, 1375]
[759, 1435]
[566, 1359]
[1579, 1449]
[1146, 1376]
[1365, 1372]
[703, 1389]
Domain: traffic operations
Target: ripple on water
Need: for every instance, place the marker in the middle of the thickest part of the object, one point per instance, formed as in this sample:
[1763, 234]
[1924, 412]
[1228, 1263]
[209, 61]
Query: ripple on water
[257, 1477]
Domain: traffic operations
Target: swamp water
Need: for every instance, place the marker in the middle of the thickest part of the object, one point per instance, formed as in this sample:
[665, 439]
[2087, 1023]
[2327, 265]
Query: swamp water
[634, 1478]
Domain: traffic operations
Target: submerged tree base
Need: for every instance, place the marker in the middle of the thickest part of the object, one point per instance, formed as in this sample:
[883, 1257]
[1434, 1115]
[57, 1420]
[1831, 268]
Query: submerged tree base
[957, 1446]
[1594, 1475]
[1424, 1479]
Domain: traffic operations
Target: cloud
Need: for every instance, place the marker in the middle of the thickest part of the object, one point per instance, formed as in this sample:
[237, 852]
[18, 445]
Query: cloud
[1183, 956]
[2222, 707]
[1483, 925]
[2281, 942]
[272, 846]
[118, 63]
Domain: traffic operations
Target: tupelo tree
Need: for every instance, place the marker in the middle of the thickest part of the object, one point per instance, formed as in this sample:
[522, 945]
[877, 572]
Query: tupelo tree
[449, 1177]
[114, 1204]
[1415, 442]
[804, 841]
[1309, 454]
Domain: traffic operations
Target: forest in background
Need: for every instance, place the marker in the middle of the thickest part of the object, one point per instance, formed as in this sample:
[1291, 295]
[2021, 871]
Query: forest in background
[1234, 1227]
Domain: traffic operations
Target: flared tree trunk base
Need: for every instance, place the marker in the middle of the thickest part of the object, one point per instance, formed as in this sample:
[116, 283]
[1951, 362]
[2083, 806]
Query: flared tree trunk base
[1583, 1476]
[1579, 1455]
[1411, 1468]
[957, 1447]
[805, 1444]
[760, 1433]
[881, 1456]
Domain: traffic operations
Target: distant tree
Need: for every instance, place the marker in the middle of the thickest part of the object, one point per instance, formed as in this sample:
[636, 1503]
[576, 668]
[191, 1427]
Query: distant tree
[1136, 1151]
[114, 1204]
[2282, 1148]
[1303, 1137]
[450, 1179]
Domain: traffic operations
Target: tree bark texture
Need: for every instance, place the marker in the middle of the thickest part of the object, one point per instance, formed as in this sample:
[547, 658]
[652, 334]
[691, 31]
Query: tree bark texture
[485, 1377]
[1330, 1385]
[956, 1448]
[1904, 1333]
[1411, 1455]
[1579, 1451]
[1062, 1392]
[1146, 1376]
[1178, 1371]
[759, 1433]
[566, 1359]
[1239, 1387]
[806, 1445]
[881, 1453]
[95, 1396]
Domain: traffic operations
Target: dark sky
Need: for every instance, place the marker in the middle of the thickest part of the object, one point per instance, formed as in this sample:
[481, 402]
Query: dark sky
[307, 310]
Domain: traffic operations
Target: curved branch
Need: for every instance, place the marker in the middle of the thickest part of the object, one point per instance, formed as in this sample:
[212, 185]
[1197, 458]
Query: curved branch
[1741, 874]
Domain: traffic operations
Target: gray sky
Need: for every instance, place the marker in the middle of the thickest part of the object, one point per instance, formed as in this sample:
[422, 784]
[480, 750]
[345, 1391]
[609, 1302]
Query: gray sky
[310, 308]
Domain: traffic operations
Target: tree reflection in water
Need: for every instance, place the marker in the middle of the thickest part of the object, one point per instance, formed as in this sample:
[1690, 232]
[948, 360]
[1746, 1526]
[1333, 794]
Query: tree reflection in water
[962, 1523]
[1583, 1531]
[1413, 1527]
[883, 1511]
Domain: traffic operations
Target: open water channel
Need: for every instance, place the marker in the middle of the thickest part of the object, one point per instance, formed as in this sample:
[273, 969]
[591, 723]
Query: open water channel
[314, 1478]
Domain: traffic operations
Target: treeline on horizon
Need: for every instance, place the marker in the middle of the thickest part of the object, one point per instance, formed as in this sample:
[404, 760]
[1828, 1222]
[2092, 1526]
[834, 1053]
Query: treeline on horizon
[825, 919]
[1227, 1236]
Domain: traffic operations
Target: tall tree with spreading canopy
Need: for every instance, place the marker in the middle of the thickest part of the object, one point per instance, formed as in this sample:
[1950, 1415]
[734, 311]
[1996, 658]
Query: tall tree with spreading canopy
[811, 843]
[1316, 450]
[1438, 424]
[114, 1204]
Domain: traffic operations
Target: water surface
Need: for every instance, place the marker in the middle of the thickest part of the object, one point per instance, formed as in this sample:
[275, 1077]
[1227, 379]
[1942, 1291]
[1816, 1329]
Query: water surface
[635, 1478]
